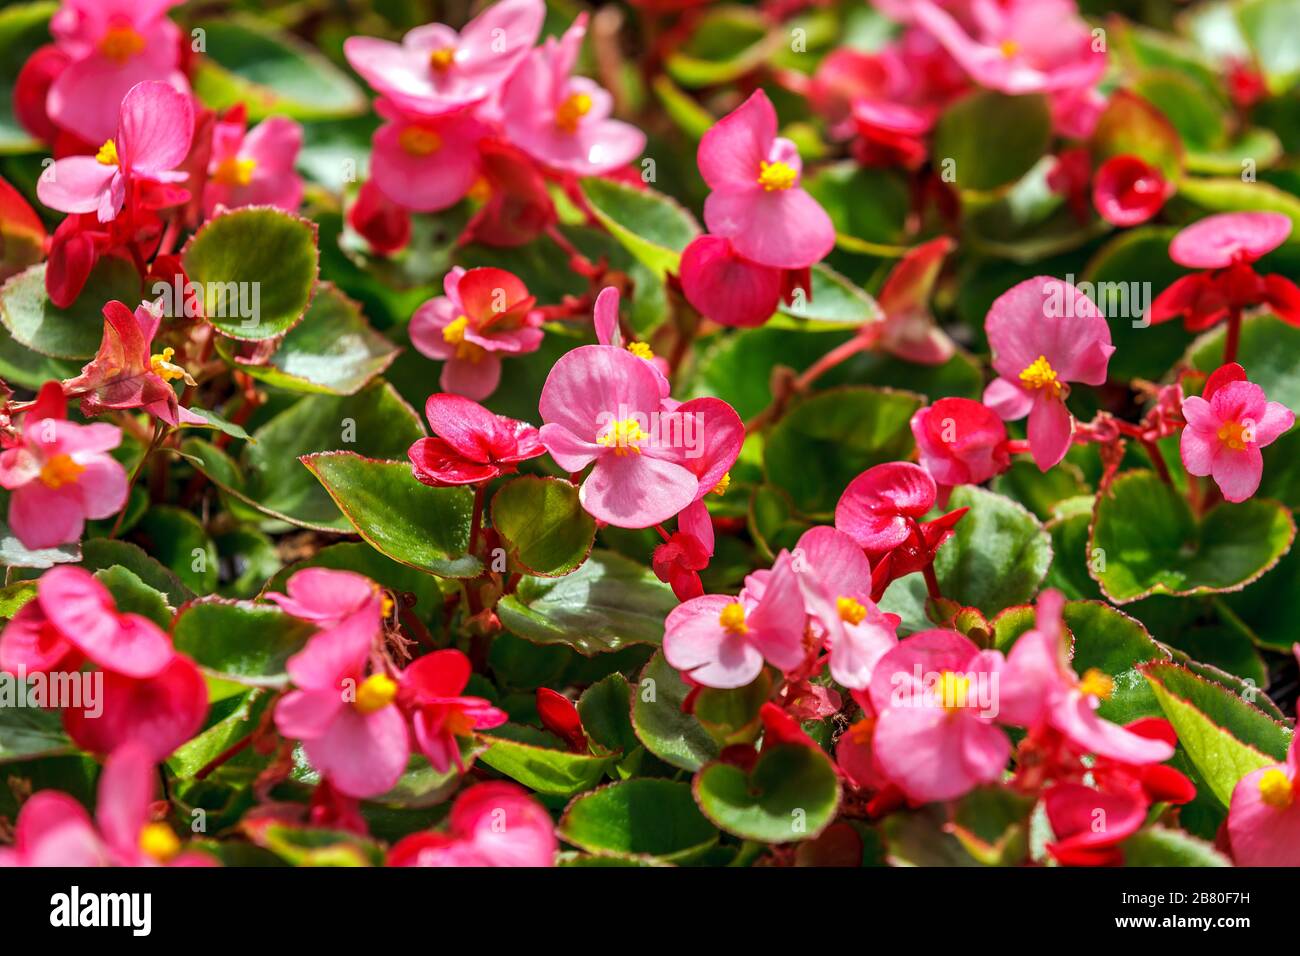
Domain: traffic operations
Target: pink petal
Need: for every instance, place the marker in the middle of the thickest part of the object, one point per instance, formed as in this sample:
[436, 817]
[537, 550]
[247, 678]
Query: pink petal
[592, 385]
[77, 184]
[1216, 242]
[1051, 427]
[125, 788]
[731, 152]
[1237, 473]
[725, 287]
[155, 128]
[473, 379]
[636, 491]
[784, 229]
[696, 644]
[606, 317]
[363, 755]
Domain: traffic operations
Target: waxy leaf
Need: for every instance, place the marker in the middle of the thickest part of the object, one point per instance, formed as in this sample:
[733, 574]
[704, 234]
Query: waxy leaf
[544, 528]
[660, 723]
[531, 757]
[635, 818]
[240, 641]
[74, 332]
[650, 225]
[791, 794]
[1021, 126]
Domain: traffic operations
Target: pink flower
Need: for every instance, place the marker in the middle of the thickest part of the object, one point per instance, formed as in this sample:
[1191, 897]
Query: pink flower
[1039, 688]
[1226, 428]
[936, 737]
[1128, 191]
[562, 120]
[909, 330]
[159, 713]
[1230, 238]
[74, 617]
[605, 317]
[125, 374]
[59, 474]
[1044, 333]
[349, 723]
[961, 442]
[425, 163]
[154, 128]
[485, 312]
[112, 45]
[721, 641]
[880, 508]
[254, 168]
[328, 598]
[431, 689]
[835, 580]
[491, 824]
[54, 829]
[724, 286]
[604, 405]
[679, 560]
[757, 201]
[472, 445]
[436, 70]
[1264, 814]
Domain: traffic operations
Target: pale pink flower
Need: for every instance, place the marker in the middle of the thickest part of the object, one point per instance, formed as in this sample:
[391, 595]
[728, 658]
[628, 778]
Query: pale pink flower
[425, 163]
[254, 167]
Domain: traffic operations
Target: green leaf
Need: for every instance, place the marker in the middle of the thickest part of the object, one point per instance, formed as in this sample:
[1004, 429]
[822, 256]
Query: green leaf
[29, 732]
[312, 846]
[1225, 737]
[829, 438]
[1132, 126]
[101, 553]
[545, 530]
[249, 61]
[653, 227]
[179, 541]
[726, 43]
[1161, 846]
[1232, 194]
[1151, 543]
[670, 734]
[15, 596]
[1269, 27]
[74, 332]
[605, 605]
[646, 817]
[23, 28]
[414, 524]
[530, 756]
[218, 423]
[605, 708]
[1197, 117]
[1269, 348]
[422, 786]
[240, 641]
[332, 351]
[791, 794]
[835, 301]
[133, 596]
[1021, 126]
[257, 268]
[868, 206]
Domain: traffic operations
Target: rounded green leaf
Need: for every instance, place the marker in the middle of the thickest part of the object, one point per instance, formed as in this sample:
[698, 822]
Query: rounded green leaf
[791, 794]
[1132, 126]
[133, 596]
[179, 542]
[544, 528]
[1161, 846]
[653, 227]
[670, 734]
[994, 139]
[645, 817]
[534, 758]
[240, 641]
[835, 301]
[74, 332]
[256, 267]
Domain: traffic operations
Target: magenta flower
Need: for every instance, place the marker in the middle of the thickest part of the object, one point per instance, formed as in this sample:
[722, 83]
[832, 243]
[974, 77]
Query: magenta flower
[1040, 689]
[254, 168]
[603, 405]
[757, 201]
[159, 713]
[491, 824]
[471, 444]
[436, 70]
[1227, 425]
[1264, 814]
[1128, 191]
[425, 163]
[431, 689]
[724, 286]
[835, 580]
[961, 442]
[880, 508]
[59, 474]
[329, 598]
[563, 120]
[936, 736]
[1044, 333]
[485, 312]
[605, 317]
[721, 641]
[154, 127]
[1073, 810]
[53, 829]
[112, 45]
[909, 330]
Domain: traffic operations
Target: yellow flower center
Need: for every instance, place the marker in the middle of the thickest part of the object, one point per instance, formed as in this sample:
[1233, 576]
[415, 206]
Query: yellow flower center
[233, 171]
[570, 113]
[454, 334]
[60, 470]
[375, 693]
[442, 60]
[953, 690]
[1234, 435]
[162, 366]
[158, 842]
[1009, 48]
[419, 141]
[1040, 374]
[623, 435]
[481, 190]
[776, 176]
[850, 610]
[108, 154]
[1276, 789]
[1096, 683]
[732, 618]
[119, 44]
[723, 484]
[640, 350]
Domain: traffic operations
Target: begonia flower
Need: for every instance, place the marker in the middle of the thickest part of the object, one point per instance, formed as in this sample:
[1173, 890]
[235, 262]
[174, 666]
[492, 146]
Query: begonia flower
[491, 824]
[431, 689]
[471, 444]
[961, 442]
[254, 167]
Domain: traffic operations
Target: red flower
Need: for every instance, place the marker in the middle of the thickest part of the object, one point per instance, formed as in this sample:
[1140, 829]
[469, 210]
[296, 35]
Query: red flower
[473, 445]
[1127, 191]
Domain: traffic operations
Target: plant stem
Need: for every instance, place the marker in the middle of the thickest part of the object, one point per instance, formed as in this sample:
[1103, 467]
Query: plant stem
[1233, 338]
[476, 522]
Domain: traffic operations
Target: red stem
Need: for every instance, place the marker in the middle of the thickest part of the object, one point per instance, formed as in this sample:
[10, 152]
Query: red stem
[1233, 338]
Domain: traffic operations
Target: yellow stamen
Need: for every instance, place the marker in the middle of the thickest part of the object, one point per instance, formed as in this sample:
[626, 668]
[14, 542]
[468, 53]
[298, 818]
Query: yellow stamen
[851, 611]
[158, 842]
[570, 113]
[776, 176]
[723, 484]
[954, 689]
[419, 141]
[640, 350]
[1276, 789]
[453, 333]
[459, 724]
[386, 604]
[164, 368]
[481, 190]
[732, 618]
[623, 435]
[233, 171]
[1234, 435]
[1097, 683]
[375, 693]
[442, 60]
[108, 154]
[60, 470]
[1009, 48]
[119, 44]
[1040, 374]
